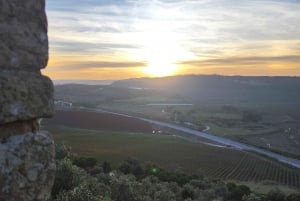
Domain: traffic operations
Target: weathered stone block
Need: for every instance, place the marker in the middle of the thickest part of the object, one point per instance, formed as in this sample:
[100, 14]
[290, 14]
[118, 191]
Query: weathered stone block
[24, 96]
[23, 35]
[27, 167]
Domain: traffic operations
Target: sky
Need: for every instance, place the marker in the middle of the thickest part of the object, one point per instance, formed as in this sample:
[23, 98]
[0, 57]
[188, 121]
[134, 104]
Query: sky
[115, 39]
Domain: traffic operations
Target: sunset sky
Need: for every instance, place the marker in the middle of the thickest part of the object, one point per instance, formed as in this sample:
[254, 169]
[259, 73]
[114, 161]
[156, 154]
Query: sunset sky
[114, 39]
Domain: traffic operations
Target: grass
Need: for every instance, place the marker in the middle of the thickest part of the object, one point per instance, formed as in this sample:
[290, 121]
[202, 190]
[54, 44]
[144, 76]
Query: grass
[234, 131]
[167, 151]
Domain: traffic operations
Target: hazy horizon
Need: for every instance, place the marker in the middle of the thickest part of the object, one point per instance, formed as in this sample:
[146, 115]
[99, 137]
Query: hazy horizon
[149, 77]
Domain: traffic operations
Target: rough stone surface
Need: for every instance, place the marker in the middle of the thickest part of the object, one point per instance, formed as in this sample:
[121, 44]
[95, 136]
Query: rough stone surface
[27, 162]
[24, 96]
[27, 167]
[23, 35]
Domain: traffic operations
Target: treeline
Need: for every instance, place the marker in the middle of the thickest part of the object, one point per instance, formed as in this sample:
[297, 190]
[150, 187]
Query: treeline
[86, 179]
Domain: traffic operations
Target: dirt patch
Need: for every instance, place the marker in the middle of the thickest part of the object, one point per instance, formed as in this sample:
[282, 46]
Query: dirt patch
[99, 121]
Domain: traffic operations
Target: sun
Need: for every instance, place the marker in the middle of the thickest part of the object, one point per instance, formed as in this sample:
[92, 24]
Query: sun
[161, 47]
[160, 68]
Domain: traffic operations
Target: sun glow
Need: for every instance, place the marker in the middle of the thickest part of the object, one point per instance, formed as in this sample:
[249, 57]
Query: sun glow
[161, 45]
[160, 68]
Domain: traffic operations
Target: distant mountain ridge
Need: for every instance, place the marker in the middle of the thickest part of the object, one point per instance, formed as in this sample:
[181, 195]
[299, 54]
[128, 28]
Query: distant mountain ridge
[86, 82]
[222, 88]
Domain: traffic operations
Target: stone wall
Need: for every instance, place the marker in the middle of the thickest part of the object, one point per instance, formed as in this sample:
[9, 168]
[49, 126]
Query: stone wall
[27, 165]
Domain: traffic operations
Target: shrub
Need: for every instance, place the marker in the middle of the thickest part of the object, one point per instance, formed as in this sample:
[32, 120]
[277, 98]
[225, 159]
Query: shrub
[251, 197]
[132, 166]
[188, 191]
[85, 163]
[62, 151]
[201, 184]
[275, 195]
[106, 167]
[293, 197]
[231, 186]
[67, 176]
[237, 192]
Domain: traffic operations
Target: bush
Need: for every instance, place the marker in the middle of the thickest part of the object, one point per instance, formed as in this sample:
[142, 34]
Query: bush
[62, 151]
[122, 188]
[293, 197]
[251, 197]
[201, 184]
[275, 195]
[85, 163]
[132, 166]
[67, 176]
[106, 167]
[231, 186]
[220, 190]
[80, 193]
[246, 190]
[237, 192]
[188, 191]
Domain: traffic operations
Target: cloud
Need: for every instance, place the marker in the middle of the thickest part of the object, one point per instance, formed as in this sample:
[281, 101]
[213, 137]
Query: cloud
[97, 64]
[86, 47]
[242, 61]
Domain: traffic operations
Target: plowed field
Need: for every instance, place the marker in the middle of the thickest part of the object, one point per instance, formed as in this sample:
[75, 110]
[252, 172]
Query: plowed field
[98, 121]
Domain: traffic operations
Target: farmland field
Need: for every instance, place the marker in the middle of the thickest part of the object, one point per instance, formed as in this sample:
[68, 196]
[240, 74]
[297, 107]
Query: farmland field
[115, 140]
[90, 120]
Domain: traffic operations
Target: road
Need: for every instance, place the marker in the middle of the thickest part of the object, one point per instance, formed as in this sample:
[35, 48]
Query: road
[237, 145]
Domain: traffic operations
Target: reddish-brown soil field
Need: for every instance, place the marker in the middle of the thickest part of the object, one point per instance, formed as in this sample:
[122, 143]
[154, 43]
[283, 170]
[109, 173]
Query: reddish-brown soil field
[98, 121]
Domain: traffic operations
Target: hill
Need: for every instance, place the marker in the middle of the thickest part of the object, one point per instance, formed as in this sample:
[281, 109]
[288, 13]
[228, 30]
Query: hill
[215, 88]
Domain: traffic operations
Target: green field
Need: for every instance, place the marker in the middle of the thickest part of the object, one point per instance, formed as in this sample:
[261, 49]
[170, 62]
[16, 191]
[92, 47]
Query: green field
[175, 154]
[165, 150]
[230, 124]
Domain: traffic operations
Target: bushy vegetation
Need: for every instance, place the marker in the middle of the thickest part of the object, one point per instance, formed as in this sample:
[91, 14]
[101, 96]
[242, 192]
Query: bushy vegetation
[85, 179]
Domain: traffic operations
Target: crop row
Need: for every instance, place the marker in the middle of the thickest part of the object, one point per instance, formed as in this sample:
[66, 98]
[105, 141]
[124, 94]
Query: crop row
[252, 168]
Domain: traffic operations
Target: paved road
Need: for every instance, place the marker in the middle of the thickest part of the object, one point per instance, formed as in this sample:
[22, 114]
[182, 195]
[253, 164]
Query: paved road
[231, 143]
